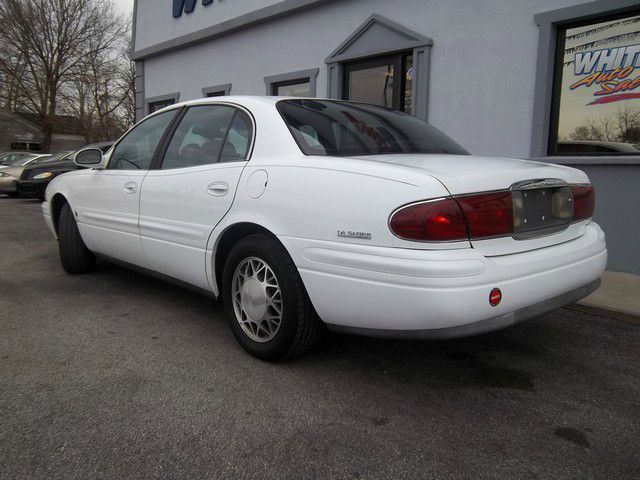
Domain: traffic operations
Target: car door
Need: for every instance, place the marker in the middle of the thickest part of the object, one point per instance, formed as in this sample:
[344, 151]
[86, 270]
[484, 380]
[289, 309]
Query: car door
[107, 201]
[192, 189]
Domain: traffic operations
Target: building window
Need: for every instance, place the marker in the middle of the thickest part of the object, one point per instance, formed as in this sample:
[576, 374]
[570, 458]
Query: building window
[385, 81]
[596, 98]
[156, 103]
[295, 88]
[217, 90]
[367, 67]
[155, 106]
[27, 146]
[293, 84]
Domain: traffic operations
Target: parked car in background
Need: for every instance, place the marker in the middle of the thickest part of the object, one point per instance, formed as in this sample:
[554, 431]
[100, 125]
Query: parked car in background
[35, 177]
[10, 173]
[597, 147]
[304, 212]
[20, 159]
[11, 156]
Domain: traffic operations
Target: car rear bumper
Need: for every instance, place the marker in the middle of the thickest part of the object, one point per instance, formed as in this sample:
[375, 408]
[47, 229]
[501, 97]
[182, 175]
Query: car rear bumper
[32, 188]
[482, 326]
[434, 293]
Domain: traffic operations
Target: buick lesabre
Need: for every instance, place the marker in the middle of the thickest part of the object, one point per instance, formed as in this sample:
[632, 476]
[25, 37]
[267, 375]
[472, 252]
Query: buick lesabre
[302, 214]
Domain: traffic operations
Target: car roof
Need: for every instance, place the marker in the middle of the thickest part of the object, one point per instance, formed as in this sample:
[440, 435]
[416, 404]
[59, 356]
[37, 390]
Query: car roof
[242, 100]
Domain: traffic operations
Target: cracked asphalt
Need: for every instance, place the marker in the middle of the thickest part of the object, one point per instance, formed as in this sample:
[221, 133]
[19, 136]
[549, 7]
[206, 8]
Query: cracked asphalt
[117, 375]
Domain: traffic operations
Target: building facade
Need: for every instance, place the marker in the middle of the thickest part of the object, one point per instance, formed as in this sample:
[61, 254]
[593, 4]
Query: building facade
[553, 80]
[21, 131]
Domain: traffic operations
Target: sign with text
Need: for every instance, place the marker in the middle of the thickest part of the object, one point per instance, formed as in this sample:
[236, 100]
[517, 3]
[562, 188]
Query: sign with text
[186, 6]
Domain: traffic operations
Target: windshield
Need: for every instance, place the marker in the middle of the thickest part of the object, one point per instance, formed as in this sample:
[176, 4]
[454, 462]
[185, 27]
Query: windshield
[325, 127]
[19, 161]
[15, 159]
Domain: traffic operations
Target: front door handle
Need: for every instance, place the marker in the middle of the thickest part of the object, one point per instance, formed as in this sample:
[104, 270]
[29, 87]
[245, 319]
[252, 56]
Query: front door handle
[218, 189]
[130, 187]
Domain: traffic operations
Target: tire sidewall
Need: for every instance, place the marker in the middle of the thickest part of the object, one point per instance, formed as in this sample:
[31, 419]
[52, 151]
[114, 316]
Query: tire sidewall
[278, 346]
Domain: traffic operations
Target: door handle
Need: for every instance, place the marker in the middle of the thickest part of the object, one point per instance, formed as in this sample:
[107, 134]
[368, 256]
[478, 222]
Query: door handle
[130, 187]
[218, 189]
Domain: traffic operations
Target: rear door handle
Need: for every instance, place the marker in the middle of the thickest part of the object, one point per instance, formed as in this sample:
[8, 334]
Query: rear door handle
[130, 187]
[218, 189]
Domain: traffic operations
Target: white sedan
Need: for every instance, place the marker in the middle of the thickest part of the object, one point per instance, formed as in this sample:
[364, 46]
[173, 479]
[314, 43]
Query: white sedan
[305, 213]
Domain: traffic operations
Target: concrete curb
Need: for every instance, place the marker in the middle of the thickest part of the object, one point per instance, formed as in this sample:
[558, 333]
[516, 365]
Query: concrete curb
[604, 312]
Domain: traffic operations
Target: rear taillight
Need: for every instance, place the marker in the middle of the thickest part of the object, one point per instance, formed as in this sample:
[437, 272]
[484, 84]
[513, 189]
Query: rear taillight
[450, 219]
[477, 216]
[436, 221]
[584, 202]
[488, 214]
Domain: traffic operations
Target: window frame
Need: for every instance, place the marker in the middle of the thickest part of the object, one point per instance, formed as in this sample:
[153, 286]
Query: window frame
[223, 89]
[154, 158]
[556, 85]
[548, 23]
[157, 162]
[169, 97]
[292, 78]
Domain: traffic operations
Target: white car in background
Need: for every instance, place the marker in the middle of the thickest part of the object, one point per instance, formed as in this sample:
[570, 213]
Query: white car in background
[301, 213]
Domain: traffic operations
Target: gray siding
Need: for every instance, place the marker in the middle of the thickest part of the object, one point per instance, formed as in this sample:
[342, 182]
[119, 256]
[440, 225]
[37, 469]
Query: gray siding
[14, 129]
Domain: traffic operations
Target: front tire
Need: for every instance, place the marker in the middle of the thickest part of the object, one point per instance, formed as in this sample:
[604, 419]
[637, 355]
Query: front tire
[265, 301]
[74, 254]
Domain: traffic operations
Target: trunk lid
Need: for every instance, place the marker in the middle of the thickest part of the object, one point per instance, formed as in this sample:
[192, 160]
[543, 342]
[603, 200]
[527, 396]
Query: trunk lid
[533, 185]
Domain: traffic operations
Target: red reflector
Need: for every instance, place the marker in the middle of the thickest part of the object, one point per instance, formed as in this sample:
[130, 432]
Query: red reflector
[495, 296]
[438, 220]
[584, 202]
[488, 214]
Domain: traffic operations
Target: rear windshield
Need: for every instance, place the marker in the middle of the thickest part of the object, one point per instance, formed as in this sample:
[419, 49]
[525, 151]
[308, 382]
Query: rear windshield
[325, 127]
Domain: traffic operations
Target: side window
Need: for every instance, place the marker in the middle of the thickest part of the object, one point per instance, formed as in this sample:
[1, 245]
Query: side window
[236, 145]
[135, 151]
[208, 134]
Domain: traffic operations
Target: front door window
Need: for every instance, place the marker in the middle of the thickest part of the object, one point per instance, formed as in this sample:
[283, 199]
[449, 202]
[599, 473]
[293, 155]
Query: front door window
[385, 81]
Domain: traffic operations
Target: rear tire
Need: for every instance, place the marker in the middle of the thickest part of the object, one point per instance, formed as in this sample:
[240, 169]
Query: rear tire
[74, 254]
[13, 195]
[260, 272]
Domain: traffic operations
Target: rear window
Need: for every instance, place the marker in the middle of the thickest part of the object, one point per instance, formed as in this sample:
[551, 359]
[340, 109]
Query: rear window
[334, 128]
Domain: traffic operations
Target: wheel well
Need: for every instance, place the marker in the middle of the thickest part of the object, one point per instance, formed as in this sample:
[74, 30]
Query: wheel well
[229, 238]
[57, 202]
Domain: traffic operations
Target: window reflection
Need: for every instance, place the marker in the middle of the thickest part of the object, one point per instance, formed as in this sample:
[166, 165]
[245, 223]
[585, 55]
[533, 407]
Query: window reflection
[597, 107]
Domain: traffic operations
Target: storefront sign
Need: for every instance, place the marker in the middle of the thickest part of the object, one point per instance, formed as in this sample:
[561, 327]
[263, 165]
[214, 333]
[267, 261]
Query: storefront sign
[614, 72]
[188, 6]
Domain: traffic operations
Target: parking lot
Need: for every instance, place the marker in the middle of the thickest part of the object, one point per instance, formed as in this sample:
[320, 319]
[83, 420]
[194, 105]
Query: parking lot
[117, 375]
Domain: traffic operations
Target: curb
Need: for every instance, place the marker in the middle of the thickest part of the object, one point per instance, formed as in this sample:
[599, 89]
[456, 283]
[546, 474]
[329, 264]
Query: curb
[604, 312]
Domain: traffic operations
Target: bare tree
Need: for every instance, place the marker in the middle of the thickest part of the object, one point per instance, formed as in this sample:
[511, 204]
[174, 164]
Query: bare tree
[610, 128]
[47, 44]
[102, 93]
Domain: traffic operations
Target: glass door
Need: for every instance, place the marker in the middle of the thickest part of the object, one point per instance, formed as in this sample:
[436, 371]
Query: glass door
[384, 81]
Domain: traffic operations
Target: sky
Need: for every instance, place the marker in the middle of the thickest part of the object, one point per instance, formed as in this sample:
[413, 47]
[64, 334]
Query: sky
[125, 6]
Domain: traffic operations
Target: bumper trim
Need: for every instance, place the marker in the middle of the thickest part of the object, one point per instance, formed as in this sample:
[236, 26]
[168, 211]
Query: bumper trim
[483, 326]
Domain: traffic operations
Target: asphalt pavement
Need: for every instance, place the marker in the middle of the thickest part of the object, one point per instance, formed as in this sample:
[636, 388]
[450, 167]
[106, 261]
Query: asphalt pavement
[117, 375]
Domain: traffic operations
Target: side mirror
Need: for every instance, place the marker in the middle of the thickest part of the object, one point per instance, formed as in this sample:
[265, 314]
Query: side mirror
[89, 157]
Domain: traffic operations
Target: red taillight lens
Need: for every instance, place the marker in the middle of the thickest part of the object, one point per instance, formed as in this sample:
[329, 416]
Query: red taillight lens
[584, 202]
[488, 214]
[438, 220]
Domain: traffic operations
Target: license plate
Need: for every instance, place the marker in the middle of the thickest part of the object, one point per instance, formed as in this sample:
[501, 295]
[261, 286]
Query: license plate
[541, 211]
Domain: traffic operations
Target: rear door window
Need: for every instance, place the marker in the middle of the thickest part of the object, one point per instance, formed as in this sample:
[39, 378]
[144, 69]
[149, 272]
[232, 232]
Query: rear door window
[209, 134]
